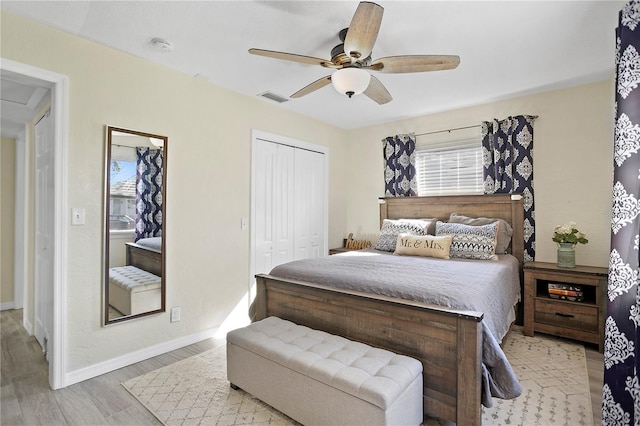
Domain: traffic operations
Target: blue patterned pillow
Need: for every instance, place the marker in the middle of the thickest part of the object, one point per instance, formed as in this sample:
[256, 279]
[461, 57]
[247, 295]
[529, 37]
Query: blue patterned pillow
[392, 228]
[504, 229]
[470, 242]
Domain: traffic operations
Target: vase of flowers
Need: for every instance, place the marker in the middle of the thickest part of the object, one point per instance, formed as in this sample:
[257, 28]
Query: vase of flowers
[567, 236]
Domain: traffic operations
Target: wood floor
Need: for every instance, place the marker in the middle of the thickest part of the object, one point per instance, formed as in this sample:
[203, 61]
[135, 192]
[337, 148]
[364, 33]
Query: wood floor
[595, 366]
[26, 398]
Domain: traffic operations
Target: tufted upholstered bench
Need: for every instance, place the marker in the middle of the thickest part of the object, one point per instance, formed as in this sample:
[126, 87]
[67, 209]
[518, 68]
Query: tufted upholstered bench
[318, 378]
[133, 290]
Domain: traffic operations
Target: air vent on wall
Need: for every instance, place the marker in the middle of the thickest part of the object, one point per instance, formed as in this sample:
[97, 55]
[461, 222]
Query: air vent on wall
[273, 97]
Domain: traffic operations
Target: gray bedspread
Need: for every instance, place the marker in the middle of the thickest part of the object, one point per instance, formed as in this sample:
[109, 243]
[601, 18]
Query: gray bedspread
[154, 243]
[488, 286]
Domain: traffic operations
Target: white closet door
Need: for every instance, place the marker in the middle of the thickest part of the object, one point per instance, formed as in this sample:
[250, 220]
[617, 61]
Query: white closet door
[309, 204]
[284, 203]
[274, 205]
[288, 204]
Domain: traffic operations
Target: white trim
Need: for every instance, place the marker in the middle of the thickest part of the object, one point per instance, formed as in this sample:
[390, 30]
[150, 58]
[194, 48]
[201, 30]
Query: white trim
[6, 306]
[60, 106]
[122, 234]
[137, 356]
[20, 245]
[27, 325]
[60, 109]
[296, 143]
[448, 145]
[285, 140]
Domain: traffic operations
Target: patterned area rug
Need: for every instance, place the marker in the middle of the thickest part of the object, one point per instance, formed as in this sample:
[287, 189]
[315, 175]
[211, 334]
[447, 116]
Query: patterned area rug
[555, 384]
[195, 391]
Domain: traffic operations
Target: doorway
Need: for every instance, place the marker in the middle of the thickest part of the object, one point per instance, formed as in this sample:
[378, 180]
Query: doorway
[57, 85]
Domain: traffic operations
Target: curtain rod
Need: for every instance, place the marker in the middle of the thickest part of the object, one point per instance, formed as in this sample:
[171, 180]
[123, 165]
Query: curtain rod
[447, 130]
[462, 128]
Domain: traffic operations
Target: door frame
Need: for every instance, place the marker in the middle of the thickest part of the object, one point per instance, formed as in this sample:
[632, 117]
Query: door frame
[257, 135]
[60, 110]
[20, 248]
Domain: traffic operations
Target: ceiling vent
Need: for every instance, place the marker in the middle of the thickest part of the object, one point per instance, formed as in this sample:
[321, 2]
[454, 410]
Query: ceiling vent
[162, 45]
[273, 97]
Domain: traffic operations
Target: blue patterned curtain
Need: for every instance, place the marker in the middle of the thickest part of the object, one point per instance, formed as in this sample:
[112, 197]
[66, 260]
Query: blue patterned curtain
[621, 390]
[507, 150]
[400, 166]
[148, 193]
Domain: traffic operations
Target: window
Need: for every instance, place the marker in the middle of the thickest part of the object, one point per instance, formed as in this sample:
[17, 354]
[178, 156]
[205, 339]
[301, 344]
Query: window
[122, 200]
[450, 168]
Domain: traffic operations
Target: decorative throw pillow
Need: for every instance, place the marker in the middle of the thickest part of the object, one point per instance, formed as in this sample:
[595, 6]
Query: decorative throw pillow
[431, 227]
[424, 245]
[470, 242]
[391, 229]
[504, 230]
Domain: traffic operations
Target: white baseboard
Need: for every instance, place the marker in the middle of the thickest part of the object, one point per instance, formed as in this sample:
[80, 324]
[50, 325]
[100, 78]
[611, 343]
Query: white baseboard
[133, 357]
[6, 306]
[27, 326]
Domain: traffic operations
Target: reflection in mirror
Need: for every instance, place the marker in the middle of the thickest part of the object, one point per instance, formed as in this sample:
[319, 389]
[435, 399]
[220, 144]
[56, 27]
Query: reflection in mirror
[135, 182]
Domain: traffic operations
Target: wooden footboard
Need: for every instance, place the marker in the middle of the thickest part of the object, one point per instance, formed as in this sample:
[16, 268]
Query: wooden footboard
[448, 342]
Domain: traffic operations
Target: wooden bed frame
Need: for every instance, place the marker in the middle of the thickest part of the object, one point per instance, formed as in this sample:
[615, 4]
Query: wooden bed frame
[447, 341]
[144, 258]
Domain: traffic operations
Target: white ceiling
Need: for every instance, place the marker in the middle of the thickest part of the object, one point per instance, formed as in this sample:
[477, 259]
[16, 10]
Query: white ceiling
[507, 48]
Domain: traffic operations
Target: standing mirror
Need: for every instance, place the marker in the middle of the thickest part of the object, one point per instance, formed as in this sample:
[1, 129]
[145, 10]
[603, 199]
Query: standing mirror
[134, 240]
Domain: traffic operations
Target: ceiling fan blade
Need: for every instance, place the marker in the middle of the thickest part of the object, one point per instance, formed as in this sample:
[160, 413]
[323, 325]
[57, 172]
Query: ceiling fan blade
[318, 84]
[292, 57]
[363, 30]
[377, 92]
[415, 63]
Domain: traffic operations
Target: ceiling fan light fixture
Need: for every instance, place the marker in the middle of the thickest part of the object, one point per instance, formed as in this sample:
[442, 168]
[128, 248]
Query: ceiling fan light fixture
[350, 81]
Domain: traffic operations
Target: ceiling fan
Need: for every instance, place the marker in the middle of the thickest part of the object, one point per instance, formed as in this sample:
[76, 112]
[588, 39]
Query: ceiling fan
[352, 59]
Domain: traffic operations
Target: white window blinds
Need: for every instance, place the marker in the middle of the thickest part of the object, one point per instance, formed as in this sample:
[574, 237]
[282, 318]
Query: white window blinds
[450, 168]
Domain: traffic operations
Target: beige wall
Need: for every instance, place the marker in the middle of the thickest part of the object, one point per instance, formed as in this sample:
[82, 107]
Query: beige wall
[208, 171]
[573, 163]
[208, 190]
[7, 222]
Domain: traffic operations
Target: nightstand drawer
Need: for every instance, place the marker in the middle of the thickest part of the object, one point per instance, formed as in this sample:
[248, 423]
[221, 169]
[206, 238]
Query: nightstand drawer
[583, 318]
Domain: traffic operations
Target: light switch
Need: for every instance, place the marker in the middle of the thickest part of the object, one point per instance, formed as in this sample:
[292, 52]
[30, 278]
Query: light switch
[78, 216]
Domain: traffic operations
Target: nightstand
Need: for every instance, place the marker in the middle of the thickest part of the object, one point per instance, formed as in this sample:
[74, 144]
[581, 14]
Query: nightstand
[582, 320]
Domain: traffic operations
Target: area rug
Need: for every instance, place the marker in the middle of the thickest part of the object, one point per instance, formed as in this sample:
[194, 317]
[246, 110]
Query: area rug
[195, 391]
[555, 384]
[552, 372]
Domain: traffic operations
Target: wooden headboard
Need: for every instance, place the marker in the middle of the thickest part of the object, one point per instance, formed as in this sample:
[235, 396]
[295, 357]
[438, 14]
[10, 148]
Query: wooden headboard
[501, 206]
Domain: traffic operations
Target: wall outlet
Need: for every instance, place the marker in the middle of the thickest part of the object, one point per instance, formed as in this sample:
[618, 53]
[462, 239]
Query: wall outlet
[175, 314]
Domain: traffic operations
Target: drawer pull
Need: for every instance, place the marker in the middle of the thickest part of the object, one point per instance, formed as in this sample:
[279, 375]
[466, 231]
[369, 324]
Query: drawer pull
[560, 314]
